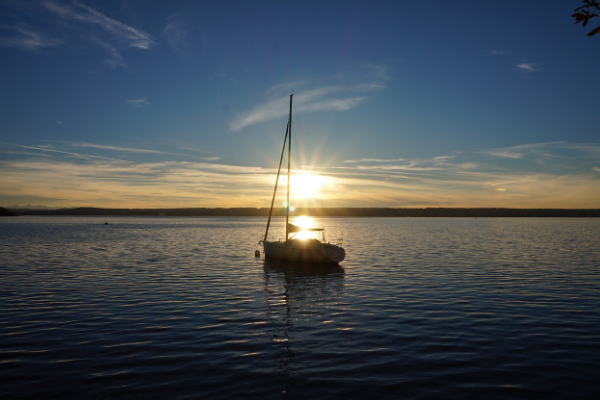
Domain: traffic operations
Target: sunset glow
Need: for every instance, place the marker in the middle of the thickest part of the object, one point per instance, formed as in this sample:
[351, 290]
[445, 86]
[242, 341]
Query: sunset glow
[308, 185]
[185, 104]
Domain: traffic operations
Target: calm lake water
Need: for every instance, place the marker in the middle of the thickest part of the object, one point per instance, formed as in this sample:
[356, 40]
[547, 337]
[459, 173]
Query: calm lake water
[179, 308]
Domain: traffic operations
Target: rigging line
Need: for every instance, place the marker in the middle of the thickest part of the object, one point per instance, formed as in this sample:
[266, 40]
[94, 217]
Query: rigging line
[277, 179]
[287, 203]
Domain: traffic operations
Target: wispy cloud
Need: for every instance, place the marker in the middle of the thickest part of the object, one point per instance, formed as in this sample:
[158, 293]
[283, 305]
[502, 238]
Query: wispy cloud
[134, 37]
[375, 160]
[528, 67]
[337, 94]
[67, 176]
[116, 59]
[27, 38]
[114, 148]
[58, 150]
[138, 103]
[74, 22]
[505, 153]
[176, 34]
[541, 151]
[68, 146]
[316, 100]
[554, 174]
[119, 183]
[378, 72]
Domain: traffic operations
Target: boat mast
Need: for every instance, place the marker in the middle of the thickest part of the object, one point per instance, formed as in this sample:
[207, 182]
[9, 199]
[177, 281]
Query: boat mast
[287, 211]
[277, 181]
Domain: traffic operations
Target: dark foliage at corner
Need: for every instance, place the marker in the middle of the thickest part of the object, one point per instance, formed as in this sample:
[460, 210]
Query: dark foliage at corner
[590, 9]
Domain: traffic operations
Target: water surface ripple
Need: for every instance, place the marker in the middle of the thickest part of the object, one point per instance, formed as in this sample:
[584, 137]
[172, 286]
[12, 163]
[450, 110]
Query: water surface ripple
[179, 308]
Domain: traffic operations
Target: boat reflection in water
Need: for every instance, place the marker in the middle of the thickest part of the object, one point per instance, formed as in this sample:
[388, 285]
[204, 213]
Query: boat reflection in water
[296, 293]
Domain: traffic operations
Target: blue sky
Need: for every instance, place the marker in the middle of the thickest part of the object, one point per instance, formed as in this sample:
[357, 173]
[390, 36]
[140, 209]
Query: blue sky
[396, 103]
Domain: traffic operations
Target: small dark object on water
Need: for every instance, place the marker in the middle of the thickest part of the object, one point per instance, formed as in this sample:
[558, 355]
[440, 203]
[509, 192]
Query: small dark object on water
[106, 223]
[257, 253]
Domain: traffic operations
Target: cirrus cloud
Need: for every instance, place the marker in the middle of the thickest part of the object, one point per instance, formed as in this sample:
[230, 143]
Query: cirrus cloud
[336, 94]
[528, 67]
[545, 175]
[138, 103]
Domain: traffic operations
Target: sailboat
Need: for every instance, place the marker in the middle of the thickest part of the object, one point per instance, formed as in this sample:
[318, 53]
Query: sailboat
[293, 248]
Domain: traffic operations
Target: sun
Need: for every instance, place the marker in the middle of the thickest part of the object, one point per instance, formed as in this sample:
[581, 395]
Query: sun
[307, 185]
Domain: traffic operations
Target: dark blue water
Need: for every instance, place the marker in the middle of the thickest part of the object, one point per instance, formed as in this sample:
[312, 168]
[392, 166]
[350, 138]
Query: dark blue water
[179, 308]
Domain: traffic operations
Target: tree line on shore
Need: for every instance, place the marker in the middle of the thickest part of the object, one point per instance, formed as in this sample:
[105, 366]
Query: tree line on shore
[315, 212]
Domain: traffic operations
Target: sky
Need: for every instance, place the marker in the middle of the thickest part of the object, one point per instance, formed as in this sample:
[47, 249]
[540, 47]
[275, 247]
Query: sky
[166, 104]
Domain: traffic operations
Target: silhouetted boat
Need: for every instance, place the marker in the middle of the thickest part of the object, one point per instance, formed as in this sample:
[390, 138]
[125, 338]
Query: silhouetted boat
[295, 249]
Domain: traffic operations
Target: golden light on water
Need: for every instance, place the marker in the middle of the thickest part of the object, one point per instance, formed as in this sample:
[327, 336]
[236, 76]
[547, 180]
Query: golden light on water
[303, 235]
[305, 223]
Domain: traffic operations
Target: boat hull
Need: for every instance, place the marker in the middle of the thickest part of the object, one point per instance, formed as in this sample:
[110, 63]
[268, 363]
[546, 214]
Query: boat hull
[311, 251]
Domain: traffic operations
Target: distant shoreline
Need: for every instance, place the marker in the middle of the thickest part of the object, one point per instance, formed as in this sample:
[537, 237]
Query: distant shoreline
[320, 212]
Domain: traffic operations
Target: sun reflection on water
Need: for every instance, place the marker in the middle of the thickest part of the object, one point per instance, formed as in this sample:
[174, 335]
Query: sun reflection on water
[304, 222]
